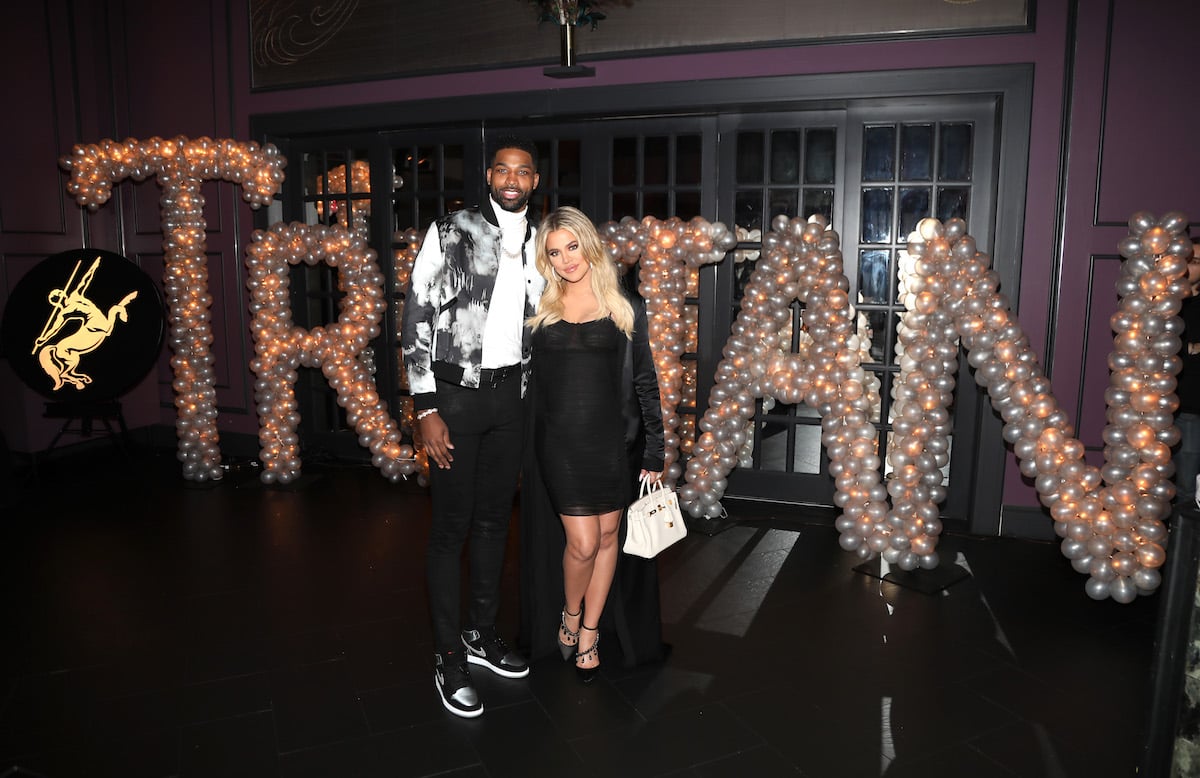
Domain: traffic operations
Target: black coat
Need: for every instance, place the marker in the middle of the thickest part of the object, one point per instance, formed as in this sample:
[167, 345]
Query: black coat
[640, 401]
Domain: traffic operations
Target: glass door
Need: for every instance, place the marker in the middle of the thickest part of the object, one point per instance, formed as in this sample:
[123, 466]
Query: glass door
[775, 165]
[908, 162]
[874, 170]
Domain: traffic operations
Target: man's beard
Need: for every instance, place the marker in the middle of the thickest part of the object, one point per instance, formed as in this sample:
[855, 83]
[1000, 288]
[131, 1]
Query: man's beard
[512, 206]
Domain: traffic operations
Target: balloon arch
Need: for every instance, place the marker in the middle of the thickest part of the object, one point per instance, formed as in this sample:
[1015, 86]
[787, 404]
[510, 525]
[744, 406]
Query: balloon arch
[1110, 518]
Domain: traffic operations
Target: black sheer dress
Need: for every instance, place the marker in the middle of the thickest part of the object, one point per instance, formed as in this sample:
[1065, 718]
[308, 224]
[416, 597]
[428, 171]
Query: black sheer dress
[625, 427]
[578, 437]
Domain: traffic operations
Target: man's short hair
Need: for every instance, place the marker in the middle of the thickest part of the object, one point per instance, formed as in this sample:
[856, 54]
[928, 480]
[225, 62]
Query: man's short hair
[512, 142]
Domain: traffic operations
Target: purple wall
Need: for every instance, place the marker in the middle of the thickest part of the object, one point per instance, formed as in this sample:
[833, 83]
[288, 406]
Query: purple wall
[1105, 106]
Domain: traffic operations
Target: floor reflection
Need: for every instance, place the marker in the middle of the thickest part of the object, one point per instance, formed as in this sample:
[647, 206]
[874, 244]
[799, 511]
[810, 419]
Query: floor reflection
[237, 629]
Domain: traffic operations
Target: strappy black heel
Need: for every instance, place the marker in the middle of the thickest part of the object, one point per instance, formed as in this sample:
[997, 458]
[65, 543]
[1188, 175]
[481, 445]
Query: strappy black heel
[588, 674]
[567, 649]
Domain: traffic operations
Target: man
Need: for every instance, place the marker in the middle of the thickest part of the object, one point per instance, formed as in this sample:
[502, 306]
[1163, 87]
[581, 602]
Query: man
[466, 351]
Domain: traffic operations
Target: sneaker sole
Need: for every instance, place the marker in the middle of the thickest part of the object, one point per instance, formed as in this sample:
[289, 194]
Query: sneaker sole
[466, 714]
[478, 660]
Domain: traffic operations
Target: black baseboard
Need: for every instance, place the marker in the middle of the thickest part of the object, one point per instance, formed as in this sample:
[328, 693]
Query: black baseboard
[1027, 523]
[151, 438]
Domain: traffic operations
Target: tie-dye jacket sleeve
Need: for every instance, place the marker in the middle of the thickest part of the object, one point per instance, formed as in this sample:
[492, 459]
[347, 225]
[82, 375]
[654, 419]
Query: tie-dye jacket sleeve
[421, 304]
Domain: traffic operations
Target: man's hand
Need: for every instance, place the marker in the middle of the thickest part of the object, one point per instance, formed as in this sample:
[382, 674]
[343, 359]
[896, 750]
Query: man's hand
[436, 435]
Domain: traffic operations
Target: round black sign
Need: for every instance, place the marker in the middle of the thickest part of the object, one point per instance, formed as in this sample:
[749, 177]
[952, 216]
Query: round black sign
[83, 326]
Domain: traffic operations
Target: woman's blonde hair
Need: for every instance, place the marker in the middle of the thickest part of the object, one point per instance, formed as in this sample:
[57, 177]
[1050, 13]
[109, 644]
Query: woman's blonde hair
[606, 285]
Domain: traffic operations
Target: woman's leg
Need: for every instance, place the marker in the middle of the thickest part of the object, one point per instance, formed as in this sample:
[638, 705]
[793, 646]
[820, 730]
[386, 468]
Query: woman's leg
[579, 557]
[604, 566]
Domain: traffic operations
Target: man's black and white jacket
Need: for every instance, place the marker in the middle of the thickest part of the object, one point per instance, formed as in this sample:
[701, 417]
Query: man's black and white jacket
[447, 298]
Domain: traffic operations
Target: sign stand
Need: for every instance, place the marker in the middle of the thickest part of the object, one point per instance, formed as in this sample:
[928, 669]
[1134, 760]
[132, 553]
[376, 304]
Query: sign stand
[87, 413]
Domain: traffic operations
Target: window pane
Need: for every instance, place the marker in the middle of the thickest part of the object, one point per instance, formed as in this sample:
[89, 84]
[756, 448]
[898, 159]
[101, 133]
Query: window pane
[360, 178]
[748, 207]
[316, 172]
[330, 210]
[955, 153]
[806, 456]
[916, 152]
[794, 330]
[914, 206]
[568, 164]
[452, 166]
[820, 154]
[403, 216]
[749, 158]
[953, 201]
[426, 169]
[545, 155]
[818, 201]
[877, 321]
[877, 215]
[313, 170]
[624, 163]
[655, 161]
[741, 276]
[404, 166]
[545, 195]
[785, 157]
[687, 159]
[773, 447]
[805, 453]
[655, 204]
[893, 321]
[879, 153]
[624, 204]
[884, 400]
[360, 209]
[785, 202]
[429, 208]
[873, 275]
[687, 205]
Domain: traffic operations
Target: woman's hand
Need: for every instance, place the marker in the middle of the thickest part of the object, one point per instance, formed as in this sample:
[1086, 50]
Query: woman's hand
[654, 476]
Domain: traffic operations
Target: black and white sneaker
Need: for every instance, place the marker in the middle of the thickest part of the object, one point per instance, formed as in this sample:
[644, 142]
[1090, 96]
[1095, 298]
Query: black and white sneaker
[488, 650]
[452, 678]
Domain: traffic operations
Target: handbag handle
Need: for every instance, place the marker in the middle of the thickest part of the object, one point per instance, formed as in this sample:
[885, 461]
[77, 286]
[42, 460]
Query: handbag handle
[648, 485]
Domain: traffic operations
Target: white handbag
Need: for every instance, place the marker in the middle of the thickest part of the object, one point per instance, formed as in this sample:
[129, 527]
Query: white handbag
[653, 521]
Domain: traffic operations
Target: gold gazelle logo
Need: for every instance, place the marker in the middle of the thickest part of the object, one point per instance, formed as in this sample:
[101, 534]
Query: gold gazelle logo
[75, 326]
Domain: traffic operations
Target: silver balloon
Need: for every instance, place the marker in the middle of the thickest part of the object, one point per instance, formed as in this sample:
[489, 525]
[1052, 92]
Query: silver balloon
[181, 165]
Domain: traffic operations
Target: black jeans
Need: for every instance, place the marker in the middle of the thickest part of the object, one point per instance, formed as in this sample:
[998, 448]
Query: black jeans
[473, 498]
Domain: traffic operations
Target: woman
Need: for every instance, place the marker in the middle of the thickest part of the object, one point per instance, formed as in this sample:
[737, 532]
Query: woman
[595, 407]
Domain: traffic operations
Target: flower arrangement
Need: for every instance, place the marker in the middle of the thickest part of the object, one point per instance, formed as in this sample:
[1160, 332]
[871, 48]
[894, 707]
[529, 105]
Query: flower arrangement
[568, 12]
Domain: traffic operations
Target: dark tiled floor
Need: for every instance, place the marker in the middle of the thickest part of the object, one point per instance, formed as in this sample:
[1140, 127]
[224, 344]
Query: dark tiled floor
[154, 627]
